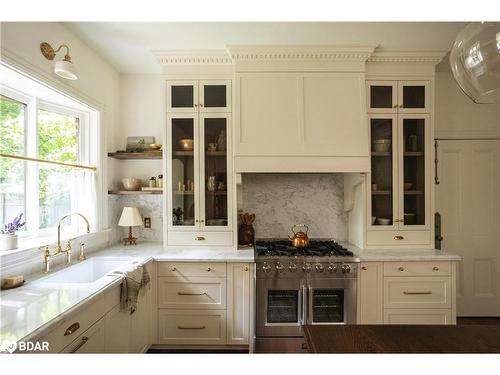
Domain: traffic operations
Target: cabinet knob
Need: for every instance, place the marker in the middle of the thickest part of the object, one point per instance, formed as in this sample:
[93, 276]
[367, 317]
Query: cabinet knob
[401, 106]
[196, 105]
[398, 238]
[209, 269]
[201, 104]
[435, 268]
[401, 269]
[395, 106]
[245, 268]
[173, 269]
[364, 268]
[200, 238]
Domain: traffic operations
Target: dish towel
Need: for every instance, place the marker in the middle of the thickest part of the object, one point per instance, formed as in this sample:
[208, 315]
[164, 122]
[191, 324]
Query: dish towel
[136, 279]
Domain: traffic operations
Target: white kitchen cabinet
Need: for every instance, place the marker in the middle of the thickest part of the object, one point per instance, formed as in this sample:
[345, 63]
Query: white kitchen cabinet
[399, 184]
[238, 303]
[300, 122]
[199, 179]
[370, 293]
[398, 96]
[92, 341]
[117, 336]
[198, 96]
[418, 316]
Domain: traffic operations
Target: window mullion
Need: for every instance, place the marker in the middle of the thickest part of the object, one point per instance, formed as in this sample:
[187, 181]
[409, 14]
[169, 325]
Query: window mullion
[31, 134]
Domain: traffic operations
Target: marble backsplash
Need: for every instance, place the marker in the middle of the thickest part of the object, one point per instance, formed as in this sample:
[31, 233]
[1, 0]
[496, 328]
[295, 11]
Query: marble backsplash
[281, 200]
[149, 206]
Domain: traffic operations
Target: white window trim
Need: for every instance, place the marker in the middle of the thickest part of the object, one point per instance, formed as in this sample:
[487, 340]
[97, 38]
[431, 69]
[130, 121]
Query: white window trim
[89, 153]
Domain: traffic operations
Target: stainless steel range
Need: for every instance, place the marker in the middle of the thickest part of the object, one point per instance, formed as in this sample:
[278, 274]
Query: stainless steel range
[297, 286]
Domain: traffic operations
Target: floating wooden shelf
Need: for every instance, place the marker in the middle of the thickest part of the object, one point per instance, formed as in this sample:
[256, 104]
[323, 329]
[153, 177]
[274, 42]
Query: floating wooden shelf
[183, 153]
[215, 153]
[135, 192]
[217, 192]
[381, 153]
[136, 155]
[187, 192]
[414, 153]
[381, 192]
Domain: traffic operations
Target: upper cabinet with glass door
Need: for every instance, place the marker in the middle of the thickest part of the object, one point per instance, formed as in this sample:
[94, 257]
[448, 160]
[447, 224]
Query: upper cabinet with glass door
[199, 96]
[398, 96]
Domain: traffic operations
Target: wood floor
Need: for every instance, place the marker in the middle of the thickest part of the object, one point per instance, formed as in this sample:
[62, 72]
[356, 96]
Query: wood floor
[479, 320]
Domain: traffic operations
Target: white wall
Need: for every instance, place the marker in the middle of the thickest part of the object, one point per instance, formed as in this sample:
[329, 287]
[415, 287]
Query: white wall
[457, 116]
[98, 83]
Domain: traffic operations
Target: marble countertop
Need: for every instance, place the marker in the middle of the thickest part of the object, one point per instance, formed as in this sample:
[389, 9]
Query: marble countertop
[26, 312]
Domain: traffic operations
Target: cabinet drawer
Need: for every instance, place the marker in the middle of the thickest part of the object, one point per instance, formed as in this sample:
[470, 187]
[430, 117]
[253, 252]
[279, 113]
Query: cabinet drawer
[90, 341]
[184, 270]
[197, 293]
[417, 292]
[417, 316]
[192, 327]
[396, 237]
[417, 268]
[200, 238]
[75, 325]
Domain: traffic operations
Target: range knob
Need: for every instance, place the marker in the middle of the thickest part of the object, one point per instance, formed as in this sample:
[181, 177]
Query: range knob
[319, 268]
[266, 267]
[346, 268]
[292, 267]
[279, 267]
[306, 268]
[333, 268]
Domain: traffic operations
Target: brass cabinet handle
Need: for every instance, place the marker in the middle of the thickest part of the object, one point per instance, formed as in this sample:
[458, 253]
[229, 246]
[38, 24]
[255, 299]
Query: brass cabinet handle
[416, 293]
[398, 238]
[209, 269]
[191, 294]
[202, 221]
[200, 238]
[245, 268]
[364, 268]
[72, 329]
[401, 269]
[173, 269]
[435, 268]
[395, 106]
[83, 342]
[201, 104]
[196, 105]
[184, 327]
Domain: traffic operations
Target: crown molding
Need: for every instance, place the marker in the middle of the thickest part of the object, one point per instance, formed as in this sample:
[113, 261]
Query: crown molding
[433, 57]
[193, 57]
[260, 53]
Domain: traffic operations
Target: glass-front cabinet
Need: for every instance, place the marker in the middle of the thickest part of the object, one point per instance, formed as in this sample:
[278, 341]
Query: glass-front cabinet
[398, 188]
[199, 171]
[199, 96]
[398, 96]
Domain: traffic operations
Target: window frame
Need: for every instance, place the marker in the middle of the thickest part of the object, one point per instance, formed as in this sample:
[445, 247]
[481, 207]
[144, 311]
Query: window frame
[31, 191]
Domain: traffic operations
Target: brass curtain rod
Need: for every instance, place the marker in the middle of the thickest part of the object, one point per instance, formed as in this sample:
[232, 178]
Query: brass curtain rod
[70, 165]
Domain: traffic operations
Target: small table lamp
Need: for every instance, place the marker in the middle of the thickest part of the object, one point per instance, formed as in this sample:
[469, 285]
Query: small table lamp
[131, 217]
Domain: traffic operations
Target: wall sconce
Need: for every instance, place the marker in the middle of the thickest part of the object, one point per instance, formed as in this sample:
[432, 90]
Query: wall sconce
[63, 68]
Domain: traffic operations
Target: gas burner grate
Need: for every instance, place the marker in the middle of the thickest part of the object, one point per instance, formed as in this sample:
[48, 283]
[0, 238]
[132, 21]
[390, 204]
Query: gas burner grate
[316, 248]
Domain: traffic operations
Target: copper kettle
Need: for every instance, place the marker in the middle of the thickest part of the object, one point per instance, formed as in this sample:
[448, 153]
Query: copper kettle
[299, 238]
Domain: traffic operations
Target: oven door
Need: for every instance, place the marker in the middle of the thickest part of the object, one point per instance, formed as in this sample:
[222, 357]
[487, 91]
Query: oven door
[331, 301]
[280, 307]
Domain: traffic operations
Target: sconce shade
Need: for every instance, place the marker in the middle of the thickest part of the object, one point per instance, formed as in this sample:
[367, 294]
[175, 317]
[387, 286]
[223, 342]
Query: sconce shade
[475, 61]
[131, 217]
[65, 69]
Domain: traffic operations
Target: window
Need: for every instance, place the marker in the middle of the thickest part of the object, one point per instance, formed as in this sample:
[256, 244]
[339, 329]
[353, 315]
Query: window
[42, 123]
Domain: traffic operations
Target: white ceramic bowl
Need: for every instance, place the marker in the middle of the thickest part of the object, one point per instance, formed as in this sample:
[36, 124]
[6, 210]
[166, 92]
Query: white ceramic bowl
[383, 221]
[131, 183]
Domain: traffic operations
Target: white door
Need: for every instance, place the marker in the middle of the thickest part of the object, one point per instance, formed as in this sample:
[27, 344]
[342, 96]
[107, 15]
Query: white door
[468, 199]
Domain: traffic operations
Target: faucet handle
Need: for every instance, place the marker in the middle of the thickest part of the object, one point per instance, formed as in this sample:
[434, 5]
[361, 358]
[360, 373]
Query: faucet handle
[82, 255]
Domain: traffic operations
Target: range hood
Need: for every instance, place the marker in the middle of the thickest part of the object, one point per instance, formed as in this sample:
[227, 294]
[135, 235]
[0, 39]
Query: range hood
[300, 109]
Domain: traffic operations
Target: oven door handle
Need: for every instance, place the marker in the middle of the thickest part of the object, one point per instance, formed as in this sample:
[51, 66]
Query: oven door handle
[310, 314]
[303, 317]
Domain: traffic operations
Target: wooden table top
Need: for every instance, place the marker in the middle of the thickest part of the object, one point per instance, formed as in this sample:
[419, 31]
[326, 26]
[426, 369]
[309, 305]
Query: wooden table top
[402, 338]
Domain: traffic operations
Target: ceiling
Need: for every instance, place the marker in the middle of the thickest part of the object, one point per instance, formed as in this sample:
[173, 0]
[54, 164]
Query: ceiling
[128, 46]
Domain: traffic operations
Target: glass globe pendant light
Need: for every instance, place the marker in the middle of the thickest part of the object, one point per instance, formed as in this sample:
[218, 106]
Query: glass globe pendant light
[475, 61]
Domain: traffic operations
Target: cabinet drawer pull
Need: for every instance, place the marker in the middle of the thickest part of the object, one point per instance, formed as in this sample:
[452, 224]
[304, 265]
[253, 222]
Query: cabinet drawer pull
[401, 269]
[200, 238]
[191, 294]
[416, 293]
[83, 342]
[184, 327]
[435, 268]
[72, 329]
[398, 238]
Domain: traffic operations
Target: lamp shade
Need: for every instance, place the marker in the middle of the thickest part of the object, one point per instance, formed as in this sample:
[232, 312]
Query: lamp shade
[131, 217]
[65, 69]
[475, 61]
